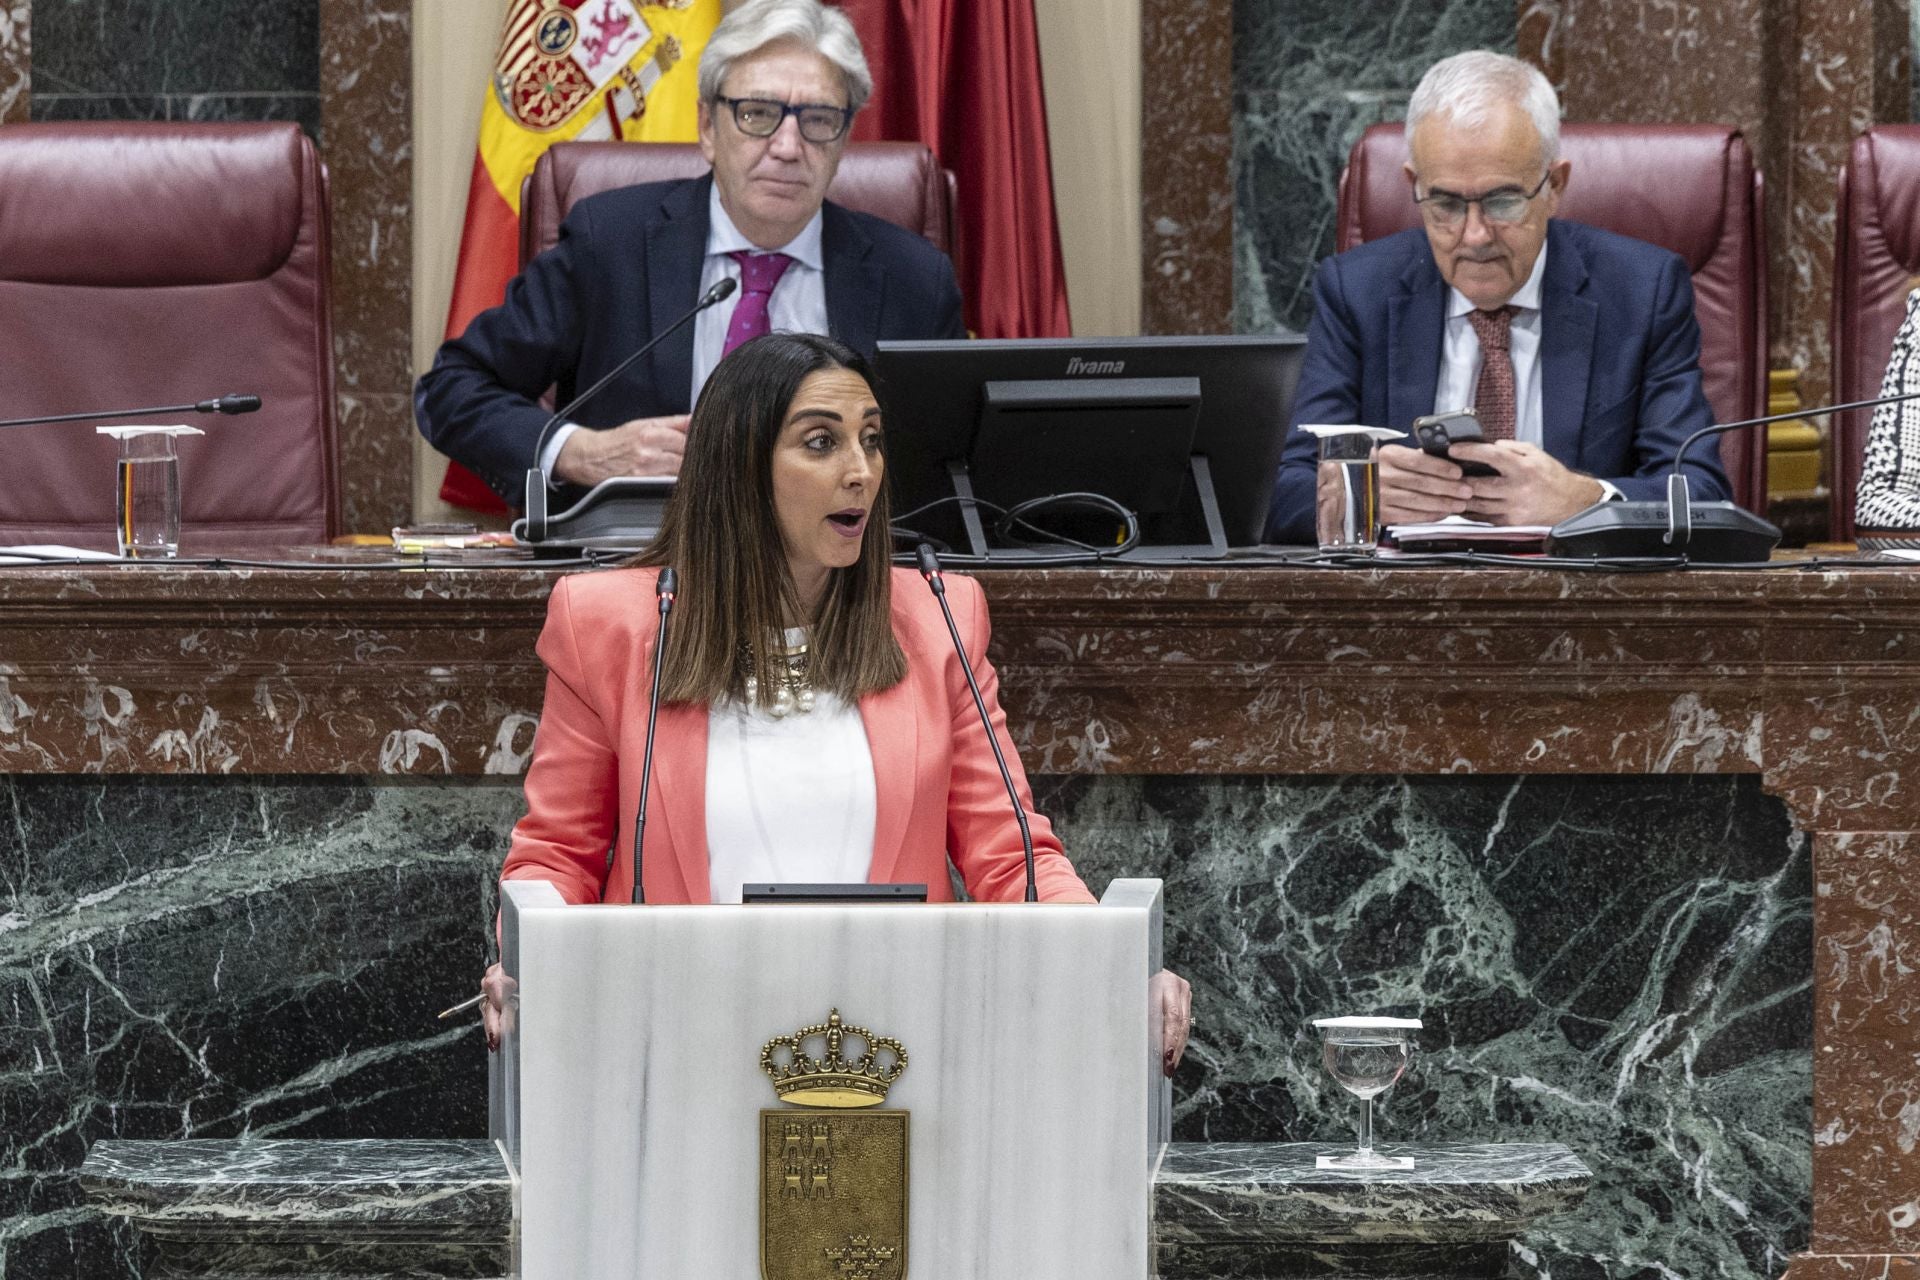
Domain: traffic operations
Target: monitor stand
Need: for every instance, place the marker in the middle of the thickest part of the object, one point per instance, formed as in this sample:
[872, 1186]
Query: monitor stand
[1202, 490]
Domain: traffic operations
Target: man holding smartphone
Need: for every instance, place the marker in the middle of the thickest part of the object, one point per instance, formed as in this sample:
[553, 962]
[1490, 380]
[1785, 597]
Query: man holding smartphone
[1577, 348]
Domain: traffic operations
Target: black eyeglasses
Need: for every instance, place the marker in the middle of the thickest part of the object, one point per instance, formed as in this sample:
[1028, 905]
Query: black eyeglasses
[762, 118]
[1507, 205]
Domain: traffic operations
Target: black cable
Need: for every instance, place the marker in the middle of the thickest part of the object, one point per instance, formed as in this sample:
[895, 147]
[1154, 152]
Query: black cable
[1011, 517]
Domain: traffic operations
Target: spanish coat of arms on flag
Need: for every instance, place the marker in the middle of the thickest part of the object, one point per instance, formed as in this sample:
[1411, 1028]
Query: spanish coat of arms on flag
[567, 71]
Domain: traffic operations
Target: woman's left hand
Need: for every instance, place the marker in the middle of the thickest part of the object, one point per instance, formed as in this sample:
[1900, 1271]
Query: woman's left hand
[1173, 996]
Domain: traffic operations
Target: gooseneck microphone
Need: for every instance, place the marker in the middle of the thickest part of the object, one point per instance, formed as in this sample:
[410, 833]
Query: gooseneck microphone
[930, 570]
[536, 477]
[1711, 532]
[665, 587]
[223, 404]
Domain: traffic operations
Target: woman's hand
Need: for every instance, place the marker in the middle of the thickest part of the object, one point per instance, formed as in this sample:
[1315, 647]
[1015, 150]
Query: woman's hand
[497, 1010]
[1173, 996]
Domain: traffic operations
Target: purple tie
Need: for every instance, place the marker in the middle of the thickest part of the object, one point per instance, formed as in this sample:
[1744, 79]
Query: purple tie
[759, 273]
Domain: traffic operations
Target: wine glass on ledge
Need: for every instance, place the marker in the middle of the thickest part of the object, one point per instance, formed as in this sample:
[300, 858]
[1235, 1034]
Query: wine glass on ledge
[1366, 1056]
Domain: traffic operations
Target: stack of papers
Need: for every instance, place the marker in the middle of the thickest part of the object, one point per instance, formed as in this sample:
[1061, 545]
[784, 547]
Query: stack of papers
[44, 553]
[1456, 533]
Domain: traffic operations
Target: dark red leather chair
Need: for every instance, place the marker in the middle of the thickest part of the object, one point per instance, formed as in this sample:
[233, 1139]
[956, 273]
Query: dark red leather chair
[898, 181]
[147, 264]
[1876, 258]
[1689, 188]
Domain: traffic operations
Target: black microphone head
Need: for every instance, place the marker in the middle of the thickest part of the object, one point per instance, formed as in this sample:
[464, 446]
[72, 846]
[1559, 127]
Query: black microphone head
[668, 583]
[929, 562]
[722, 289]
[236, 404]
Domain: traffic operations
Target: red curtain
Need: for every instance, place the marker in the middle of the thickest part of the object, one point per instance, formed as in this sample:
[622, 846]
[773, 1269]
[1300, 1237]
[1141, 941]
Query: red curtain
[963, 77]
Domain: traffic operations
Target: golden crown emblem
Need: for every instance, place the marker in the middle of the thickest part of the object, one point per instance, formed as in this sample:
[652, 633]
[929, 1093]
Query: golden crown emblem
[829, 1078]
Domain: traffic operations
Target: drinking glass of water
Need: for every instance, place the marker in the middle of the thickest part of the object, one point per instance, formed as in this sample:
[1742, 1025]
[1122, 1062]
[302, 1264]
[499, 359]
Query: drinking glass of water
[1346, 499]
[146, 501]
[1366, 1056]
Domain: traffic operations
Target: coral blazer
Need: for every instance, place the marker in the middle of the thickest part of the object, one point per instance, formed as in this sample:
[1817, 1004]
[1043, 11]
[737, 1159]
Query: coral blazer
[937, 792]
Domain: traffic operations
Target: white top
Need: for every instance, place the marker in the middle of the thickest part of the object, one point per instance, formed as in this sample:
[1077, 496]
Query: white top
[790, 799]
[1460, 356]
[798, 304]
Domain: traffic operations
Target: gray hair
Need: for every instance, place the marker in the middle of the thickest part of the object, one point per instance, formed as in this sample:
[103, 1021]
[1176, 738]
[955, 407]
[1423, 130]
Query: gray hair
[759, 23]
[1468, 86]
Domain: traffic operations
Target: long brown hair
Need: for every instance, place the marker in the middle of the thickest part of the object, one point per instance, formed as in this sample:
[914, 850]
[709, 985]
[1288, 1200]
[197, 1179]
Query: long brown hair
[722, 537]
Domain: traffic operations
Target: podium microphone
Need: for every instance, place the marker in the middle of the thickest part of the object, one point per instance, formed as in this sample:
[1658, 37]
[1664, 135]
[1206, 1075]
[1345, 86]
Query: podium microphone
[536, 502]
[930, 570]
[665, 587]
[223, 404]
[1711, 532]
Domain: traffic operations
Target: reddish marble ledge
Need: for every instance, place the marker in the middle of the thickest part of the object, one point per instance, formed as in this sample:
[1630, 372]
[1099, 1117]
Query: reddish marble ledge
[1866, 1106]
[1861, 1266]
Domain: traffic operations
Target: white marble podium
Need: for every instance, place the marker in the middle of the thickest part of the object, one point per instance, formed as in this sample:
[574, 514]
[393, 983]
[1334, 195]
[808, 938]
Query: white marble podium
[627, 1096]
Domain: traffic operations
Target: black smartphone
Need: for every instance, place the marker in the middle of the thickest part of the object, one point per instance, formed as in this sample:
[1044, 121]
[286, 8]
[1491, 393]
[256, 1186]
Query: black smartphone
[1438, 431]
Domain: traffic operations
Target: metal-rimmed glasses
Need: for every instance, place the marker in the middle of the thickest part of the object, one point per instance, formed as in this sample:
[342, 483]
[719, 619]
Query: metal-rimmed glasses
[1506, 206]
[820, 123]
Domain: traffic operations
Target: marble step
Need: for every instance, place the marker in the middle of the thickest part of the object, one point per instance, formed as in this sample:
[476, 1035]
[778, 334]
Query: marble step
[374, 1208]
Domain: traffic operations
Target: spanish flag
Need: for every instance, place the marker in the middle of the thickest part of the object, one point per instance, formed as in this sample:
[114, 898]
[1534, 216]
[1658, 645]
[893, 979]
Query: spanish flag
[568, 70]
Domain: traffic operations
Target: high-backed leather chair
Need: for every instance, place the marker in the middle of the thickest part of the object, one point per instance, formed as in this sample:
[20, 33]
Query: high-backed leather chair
[1876, 259]
[898, 181]
[145, 263]
[1689, 188]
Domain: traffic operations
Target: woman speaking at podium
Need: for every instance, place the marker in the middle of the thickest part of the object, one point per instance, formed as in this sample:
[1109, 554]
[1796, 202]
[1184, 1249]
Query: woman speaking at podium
[815, 722]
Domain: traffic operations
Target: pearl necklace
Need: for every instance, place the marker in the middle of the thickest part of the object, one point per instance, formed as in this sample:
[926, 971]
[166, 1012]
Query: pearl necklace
[796, 691]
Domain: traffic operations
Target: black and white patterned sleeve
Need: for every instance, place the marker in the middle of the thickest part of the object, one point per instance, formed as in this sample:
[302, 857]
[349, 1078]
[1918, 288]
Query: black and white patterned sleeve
[1889, 495]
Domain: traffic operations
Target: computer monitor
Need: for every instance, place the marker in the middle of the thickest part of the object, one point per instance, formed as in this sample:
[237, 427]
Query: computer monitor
[1184, 431]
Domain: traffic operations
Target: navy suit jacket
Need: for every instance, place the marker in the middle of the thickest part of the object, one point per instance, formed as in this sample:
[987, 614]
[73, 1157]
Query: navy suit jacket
[1619, 362]
[626, 266]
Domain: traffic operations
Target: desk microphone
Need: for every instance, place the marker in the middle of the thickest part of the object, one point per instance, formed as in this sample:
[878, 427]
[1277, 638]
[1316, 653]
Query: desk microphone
[224, 404]
[536, 476]
[664, 587]
[1711, 532]
[930, 570]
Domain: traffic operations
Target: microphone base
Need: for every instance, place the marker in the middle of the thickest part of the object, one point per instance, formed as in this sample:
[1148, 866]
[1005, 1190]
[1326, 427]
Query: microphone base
[1722, 533]
[622, 514]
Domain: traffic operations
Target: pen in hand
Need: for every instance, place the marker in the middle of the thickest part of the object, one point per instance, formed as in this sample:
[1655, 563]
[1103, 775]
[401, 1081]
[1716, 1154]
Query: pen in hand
[463, 1006]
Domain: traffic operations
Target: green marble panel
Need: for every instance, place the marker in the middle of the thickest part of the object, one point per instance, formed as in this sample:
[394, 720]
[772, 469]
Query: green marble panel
[1308, 78]
[1622, 965]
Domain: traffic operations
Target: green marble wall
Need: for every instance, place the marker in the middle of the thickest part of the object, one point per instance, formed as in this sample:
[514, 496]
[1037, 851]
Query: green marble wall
[177, 60]
[1623, 965]
[1308, 78]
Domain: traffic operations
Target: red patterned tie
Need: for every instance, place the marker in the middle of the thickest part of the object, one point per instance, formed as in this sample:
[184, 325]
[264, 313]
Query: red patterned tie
[1493, 396]
[759, 273]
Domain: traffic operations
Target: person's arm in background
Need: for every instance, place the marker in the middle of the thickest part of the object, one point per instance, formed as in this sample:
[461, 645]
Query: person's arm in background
[1329, 392]
[1889, 493]
[479, 403]
[1673, 401]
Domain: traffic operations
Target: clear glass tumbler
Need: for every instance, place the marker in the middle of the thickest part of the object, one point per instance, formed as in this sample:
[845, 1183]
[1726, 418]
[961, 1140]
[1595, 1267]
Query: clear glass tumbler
[1347, 490]
[146, 501]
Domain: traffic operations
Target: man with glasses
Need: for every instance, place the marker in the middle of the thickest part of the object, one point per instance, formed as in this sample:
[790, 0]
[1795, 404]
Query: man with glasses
[780, 82]
[1577, 347]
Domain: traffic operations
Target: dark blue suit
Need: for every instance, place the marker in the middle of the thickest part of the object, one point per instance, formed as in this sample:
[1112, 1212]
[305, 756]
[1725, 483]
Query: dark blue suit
[626, 266]
[1619, 361]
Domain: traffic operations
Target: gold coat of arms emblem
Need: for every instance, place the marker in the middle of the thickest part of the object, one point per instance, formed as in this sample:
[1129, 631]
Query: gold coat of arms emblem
[833, 1167]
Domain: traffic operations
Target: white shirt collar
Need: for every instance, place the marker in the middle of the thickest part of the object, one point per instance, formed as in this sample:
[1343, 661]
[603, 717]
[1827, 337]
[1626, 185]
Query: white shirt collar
[724, 237]
[1526, 298]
